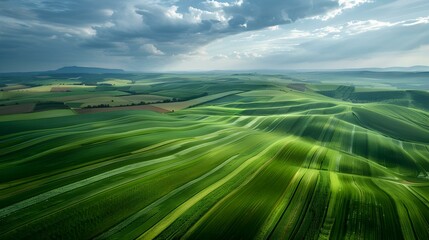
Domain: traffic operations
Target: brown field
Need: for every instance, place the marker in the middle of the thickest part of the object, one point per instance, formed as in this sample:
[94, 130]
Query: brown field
[10, 87]
[111, 109]
[19, 108]
[60, 89]
[297, 86]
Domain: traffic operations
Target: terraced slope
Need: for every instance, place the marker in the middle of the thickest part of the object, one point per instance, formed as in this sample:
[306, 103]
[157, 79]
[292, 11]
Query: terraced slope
[264, 164]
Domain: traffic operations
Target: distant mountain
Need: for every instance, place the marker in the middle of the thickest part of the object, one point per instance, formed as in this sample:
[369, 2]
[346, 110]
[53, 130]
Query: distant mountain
[90, 70]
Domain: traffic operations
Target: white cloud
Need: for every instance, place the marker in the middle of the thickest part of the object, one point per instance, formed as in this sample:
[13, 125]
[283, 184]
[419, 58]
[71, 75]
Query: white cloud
[274, 28]
[151, 50]
[240, 55]
[197, 15]
[420, 20]
[172, 13]
[328, 30]
[346, 4]
[216, 4]
[357, 27]
[361, 26]
[296, 34]
[343, 5]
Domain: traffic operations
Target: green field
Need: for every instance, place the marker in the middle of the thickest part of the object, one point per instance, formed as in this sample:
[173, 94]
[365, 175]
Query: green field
[238, 156]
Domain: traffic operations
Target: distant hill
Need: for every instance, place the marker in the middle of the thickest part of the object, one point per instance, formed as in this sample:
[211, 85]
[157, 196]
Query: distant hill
[338, 70]
[391, 69]
[91, 70]
[409, 69]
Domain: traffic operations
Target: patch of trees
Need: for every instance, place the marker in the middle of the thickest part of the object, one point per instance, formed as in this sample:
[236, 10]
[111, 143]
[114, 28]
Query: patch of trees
[170, 100]
[123, 105]
[98, 106]
[146, 103]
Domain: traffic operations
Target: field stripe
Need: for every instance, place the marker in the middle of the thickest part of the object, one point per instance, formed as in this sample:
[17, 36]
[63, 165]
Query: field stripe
[170, 218]
[55, 192]
[225, 198]
[352, 138]
[112, 136]
[140, 213]
[44, 196]
[281, 206]
[152, 172]
[107, 161]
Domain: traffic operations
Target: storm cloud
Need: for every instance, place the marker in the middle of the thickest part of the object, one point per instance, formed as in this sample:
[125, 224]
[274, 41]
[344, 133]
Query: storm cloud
[175, 29]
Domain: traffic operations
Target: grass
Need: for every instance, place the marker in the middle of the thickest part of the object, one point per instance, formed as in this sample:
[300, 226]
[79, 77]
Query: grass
[257, 157]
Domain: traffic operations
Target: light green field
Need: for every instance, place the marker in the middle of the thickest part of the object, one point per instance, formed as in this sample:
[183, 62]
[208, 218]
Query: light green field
[9, 87]
[116, 82]
[48, 88]
[253, 159]
[175, 106]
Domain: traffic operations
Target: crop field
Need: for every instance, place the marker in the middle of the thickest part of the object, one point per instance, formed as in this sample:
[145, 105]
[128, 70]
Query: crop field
[213, 156]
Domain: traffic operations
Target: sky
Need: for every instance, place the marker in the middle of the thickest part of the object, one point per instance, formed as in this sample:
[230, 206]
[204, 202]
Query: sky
[190, 35]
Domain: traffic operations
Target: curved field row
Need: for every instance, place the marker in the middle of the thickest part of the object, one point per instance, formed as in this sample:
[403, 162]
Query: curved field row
[265, 164]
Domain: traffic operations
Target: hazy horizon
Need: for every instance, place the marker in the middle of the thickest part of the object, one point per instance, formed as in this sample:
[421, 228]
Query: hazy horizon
[420, 68]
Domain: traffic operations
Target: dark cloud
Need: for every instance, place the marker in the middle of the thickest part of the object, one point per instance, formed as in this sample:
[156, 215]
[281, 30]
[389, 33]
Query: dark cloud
[139, 28]
[257, 14]
[179, 29]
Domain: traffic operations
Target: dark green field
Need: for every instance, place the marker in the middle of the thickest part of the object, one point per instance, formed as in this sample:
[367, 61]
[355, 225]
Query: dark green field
[214, 156]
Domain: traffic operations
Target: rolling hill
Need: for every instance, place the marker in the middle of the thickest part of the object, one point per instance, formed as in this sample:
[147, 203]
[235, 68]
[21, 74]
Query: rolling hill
[256, 157]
